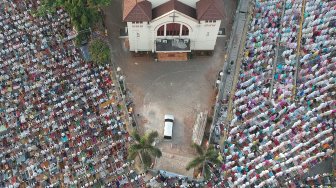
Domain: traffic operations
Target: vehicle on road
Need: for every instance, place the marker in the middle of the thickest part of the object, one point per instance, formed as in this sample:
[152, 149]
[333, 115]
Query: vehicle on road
[168, 126]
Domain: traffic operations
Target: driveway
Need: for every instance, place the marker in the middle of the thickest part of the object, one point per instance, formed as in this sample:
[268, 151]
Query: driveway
[182, 89]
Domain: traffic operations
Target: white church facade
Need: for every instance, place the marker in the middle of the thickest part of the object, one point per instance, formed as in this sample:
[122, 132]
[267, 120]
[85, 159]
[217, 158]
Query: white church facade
[172, 26]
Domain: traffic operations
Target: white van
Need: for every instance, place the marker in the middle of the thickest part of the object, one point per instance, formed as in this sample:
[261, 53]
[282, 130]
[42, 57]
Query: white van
[168, 126]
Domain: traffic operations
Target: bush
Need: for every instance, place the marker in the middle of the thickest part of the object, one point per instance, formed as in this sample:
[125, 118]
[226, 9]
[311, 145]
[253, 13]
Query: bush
[84, 14]
[99, 51]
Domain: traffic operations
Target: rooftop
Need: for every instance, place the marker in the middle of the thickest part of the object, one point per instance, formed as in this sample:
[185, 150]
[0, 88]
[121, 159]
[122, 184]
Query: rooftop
[137, 10]
[174, 5]
[210, 9]
[141, 10]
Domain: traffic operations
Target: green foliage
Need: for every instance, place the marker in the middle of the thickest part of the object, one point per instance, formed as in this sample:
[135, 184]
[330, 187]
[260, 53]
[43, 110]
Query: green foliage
[99, 51]
[143, 147]
[203, 160]
[136, 136]
[83, 13]
[199, 149]
[146, 159]
[196, 162]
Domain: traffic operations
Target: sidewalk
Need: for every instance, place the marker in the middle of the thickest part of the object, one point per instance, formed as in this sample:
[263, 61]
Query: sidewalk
[234, 52]
[173, 163]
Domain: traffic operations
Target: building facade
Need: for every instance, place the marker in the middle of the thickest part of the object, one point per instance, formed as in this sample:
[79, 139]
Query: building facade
[172, 26]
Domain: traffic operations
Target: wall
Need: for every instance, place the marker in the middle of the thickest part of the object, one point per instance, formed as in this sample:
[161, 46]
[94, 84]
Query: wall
[139, 37]
[206, 35]
[201, 34]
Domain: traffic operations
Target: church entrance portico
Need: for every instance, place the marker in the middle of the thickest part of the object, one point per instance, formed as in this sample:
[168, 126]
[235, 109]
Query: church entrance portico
[175, 49]
[172, 45]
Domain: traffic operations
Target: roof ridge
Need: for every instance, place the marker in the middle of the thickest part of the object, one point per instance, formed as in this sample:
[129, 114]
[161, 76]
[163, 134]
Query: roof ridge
[213, 4]
[217, 7]
[142, 7]
[175, 5]
[138, 10]
[210, 9]
[208, 5]
[136, 1]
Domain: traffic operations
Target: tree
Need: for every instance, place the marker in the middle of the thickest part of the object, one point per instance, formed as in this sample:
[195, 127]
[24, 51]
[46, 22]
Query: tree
[99, 51]
[84, 14]
[143, 147]
[204, 160]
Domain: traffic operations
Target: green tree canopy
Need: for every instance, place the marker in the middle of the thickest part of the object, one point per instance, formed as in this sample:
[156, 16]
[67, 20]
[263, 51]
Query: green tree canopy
[99, 51]
[83, 13]
[143, 147]
[204, 159]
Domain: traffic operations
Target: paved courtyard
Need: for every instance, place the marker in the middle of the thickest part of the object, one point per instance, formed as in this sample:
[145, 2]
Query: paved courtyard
[182, 89]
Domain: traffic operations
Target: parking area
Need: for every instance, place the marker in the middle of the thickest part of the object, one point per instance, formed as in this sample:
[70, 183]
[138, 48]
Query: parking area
[182, 89]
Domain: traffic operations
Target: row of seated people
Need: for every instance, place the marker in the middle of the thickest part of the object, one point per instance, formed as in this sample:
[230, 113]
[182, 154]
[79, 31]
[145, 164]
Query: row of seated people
[61, 118]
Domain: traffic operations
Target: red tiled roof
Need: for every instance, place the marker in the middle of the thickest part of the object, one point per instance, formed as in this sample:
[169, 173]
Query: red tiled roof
[137, 10]
[210, 9]
[174, 5]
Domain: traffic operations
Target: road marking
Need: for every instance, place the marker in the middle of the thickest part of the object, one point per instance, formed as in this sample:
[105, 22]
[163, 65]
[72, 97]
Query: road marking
[299, 47]
[275, 63]
[238, 64]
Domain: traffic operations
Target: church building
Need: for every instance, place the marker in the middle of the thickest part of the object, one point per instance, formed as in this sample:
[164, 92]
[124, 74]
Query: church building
[172, 28]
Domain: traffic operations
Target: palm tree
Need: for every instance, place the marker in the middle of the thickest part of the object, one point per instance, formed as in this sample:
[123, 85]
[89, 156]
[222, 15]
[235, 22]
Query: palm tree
[143, 147]
[204, 160]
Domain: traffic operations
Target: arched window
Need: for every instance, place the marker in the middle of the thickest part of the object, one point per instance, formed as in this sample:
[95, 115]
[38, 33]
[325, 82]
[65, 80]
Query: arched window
[173, 29]
[160, 31]
[185, 30]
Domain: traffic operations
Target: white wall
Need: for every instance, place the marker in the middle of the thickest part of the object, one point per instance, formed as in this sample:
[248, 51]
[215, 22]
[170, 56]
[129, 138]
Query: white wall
[156, 3]
[206, 36]
[202, 35]
[138, 36]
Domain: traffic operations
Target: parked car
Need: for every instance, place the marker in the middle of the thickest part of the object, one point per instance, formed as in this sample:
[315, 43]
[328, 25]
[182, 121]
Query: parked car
[168, 126]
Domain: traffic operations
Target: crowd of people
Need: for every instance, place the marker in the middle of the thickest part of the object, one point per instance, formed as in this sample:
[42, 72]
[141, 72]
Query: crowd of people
[167, 179]
[283, 127]
[61, 123]
[319, 180]
[287, 51]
